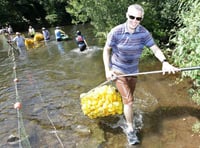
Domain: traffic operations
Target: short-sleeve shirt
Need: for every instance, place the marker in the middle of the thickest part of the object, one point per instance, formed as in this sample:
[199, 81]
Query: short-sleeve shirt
[46, 34]
[58, 34]
[19, 40]
[127, 47]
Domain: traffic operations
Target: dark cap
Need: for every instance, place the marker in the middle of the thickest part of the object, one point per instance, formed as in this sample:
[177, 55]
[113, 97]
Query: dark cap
[78, 32]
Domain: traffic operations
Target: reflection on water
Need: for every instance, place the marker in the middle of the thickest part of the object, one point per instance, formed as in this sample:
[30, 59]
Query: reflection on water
[61, 47]
[50, 85]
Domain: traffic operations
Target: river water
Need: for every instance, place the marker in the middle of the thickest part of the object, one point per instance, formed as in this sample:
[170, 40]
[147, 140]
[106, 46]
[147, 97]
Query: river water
[51, 79]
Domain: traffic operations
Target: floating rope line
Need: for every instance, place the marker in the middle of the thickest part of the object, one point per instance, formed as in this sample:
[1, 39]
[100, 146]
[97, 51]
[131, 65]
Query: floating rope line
[41, 98]
[23, 137]
[24, 142]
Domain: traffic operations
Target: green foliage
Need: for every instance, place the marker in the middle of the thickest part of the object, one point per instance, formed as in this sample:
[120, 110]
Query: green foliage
[77, 11]
[55, 12]
[187, 41]
[188, 37]
[196, 127]
[146, 53]
[103, 15]
[195, 95]
[6, 16]
[52, 18]
[160, 18]
[35, 12]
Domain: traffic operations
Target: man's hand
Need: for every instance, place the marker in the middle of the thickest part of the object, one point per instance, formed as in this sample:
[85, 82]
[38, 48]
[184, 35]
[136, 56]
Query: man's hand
[166, 67]
[110, 75]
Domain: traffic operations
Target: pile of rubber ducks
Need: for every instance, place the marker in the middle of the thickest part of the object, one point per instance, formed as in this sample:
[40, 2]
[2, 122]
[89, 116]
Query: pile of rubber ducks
[101, 101]
[34, 42]
[29, 43]
[38, 37]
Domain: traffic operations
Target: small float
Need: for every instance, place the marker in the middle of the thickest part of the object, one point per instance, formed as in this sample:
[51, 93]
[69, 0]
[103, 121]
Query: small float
[64, 37]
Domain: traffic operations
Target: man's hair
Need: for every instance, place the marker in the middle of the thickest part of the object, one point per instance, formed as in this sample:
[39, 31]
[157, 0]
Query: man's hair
[137, 7]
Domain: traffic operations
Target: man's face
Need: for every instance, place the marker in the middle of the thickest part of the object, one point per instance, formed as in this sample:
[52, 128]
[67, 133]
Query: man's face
[134, 17]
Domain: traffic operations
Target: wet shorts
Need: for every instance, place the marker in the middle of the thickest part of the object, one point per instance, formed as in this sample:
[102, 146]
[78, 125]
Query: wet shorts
[126, 87]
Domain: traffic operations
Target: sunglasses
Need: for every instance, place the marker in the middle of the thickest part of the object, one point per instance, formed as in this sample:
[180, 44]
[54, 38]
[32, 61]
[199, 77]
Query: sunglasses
[133, 17]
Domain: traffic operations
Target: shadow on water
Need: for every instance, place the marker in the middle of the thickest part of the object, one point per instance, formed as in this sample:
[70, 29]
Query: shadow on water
[61, 47]
[155, 118]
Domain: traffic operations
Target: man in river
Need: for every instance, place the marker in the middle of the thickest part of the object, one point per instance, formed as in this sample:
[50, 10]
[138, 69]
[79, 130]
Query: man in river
[19, 40]
[59, 34]
[121, 55]
[46, 34]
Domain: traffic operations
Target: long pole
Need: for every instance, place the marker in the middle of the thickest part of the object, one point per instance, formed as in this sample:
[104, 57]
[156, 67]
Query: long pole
[151, 72]
[159, 71]
[11, 45]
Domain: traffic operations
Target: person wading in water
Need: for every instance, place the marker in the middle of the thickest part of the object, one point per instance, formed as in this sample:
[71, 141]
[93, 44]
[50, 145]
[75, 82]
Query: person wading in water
[81, 42]
[127, 42]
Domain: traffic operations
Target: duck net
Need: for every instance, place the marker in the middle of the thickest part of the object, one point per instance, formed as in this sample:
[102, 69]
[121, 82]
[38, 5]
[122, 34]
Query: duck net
[101, 102]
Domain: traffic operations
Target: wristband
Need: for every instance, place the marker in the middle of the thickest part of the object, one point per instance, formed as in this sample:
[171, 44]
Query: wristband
[165, 60]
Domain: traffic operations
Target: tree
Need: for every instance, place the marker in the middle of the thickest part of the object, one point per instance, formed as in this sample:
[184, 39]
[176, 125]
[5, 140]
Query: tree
[36, 12]
[102, 14]
[55, 12]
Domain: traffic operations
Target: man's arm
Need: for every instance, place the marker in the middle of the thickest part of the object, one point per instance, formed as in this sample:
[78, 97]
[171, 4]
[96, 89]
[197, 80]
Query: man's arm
[106, 61]
[158, 53]
[166, 67]
[106, 57]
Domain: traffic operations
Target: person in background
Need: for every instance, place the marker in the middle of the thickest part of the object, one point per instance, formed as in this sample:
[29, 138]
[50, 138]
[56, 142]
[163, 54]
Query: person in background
[81, 42]
[121, 55]
[31, 31]
[59, 33]
[3, 30]
[19, 40]
[10, 30]
[46, 34]
[6, 29]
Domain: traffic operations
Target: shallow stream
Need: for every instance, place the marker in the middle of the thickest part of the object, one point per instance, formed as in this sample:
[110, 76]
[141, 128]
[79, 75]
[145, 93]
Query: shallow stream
[51, 79]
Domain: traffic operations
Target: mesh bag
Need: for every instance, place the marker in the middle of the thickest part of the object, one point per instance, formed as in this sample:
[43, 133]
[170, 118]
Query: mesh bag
[101, 101]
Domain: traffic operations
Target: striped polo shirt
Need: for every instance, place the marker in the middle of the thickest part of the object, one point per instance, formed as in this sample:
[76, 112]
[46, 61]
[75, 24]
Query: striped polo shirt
[127, 47]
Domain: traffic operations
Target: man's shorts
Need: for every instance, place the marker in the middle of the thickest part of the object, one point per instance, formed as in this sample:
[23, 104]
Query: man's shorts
[126, 87]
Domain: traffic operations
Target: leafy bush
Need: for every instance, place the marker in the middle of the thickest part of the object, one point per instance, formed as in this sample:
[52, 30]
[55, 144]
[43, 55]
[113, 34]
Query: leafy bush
[196, 127]
[52, 19]
[187, 50]
[187, 41]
